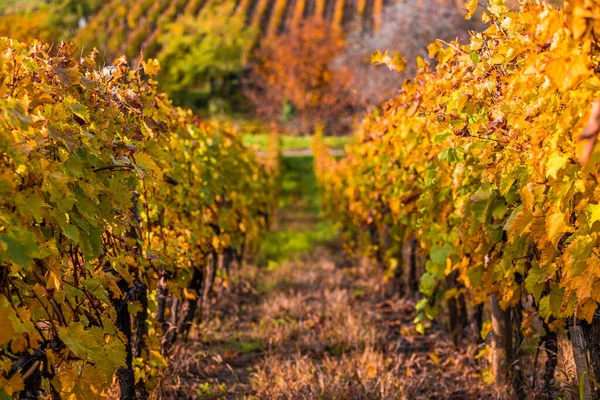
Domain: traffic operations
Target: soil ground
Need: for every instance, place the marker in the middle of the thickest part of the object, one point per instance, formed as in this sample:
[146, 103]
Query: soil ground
[305, 321]
[309, 328]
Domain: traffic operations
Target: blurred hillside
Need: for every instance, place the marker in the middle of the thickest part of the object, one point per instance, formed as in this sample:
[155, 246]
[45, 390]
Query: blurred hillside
[208, 48]
[126, 26]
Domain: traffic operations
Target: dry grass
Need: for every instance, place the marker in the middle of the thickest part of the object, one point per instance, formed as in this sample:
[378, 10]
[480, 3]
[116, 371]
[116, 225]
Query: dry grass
[339, 342]
[311, 330]
[322, 326]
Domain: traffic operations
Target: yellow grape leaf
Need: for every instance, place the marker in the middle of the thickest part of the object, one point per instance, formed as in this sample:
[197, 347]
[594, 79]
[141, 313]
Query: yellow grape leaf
[146, 164]
[81, 111]
[81, 382]
[434, 48]
[594, 212]
[546, 248]
[567, 74]
[53, 278]
[68, 377]
[67, 48]
[19, 344]
[395, 63]
[7, 332]
[68, 76]
[189, 294]
[581, 17]
[556, 227]
[555, 163]
[577, 254]
[586, 310]
[531, 194]
[12, 385]
[471, 6]
[551, 304]
[486, 329]
[519, 224]
[151, 67]
[434, 357]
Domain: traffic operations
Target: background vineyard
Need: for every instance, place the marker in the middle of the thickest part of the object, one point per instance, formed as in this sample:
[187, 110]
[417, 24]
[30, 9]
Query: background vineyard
[207, 48]
[126, 28]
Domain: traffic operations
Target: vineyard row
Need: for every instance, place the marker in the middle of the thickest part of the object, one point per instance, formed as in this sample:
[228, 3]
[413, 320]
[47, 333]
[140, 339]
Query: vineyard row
[116, 211]
[479, 170]
[119, 29]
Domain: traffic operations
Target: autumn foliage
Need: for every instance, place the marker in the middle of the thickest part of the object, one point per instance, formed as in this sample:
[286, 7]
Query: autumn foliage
[26, 27]
[478, 159]
[115, 207]
[295, 79]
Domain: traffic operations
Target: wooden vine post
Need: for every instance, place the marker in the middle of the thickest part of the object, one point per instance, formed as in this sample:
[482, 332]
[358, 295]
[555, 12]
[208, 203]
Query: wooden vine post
[502, 356]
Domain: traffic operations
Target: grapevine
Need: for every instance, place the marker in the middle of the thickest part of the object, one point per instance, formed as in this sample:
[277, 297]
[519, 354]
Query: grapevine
[110, 195]
[481, 159]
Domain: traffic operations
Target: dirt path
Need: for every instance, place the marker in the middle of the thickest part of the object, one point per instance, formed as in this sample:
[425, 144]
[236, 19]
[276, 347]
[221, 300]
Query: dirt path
[304, 153]
[309, 328]
[315, 324]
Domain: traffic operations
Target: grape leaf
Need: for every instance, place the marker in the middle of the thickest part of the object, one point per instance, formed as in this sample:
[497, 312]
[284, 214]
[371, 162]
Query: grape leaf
[107, 353]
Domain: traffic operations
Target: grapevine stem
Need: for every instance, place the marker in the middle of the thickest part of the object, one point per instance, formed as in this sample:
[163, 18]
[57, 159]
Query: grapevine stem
[114, 168]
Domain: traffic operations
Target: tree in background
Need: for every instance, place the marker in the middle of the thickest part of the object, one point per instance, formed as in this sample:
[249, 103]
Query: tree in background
[293, 80]
[203, 58]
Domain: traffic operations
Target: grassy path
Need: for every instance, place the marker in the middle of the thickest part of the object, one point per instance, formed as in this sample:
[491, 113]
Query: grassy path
[311, 323]
[310, 329]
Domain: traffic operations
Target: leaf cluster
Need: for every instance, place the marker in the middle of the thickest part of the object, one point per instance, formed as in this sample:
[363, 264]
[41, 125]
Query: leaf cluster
[478, 159]
[104, 186]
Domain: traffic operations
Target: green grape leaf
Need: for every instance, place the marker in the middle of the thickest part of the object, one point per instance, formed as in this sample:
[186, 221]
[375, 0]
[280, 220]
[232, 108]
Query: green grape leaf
[71, 232]
[427, 284]
[107, 353]
[20, 246]
[451, 155]
[532, 283]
